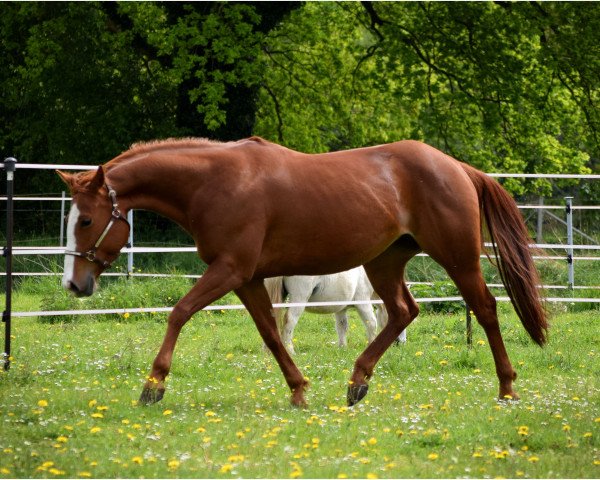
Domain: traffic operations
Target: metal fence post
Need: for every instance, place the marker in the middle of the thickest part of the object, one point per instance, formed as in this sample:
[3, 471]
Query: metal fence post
[570, 264]
[62, 219]
[469, 327]
[9, 167]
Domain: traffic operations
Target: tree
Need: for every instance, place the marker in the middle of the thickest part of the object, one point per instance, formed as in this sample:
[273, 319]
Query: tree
[501, 86]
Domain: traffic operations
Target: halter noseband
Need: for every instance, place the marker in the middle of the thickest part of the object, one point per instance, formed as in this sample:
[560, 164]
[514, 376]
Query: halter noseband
[116, 214]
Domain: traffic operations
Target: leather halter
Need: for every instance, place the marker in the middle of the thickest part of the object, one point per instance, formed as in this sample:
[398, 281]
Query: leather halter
[116, 214]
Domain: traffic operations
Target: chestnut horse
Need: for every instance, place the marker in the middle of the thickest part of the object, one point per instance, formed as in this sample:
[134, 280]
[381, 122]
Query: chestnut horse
[257, 210]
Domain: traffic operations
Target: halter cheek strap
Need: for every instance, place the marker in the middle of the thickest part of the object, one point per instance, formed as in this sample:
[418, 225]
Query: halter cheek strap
[116, 214]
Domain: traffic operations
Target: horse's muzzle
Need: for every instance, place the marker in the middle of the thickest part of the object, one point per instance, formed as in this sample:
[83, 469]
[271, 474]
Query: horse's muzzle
[82, 290]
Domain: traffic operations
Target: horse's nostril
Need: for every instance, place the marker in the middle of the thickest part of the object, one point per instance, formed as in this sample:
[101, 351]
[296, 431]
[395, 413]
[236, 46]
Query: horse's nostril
[71, 286]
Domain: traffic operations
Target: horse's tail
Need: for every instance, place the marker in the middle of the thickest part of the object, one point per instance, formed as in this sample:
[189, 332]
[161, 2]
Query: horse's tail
[277, 294]
[510, 240]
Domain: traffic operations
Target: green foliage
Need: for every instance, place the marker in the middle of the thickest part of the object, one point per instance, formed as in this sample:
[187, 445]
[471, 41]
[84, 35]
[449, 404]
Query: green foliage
[119, 293]
[502, 101]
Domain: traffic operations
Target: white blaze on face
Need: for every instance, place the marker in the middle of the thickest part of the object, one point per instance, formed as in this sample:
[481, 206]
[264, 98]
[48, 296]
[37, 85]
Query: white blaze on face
[71, 245]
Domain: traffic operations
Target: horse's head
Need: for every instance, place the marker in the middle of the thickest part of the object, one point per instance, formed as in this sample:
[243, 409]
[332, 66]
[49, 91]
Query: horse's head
[96, 231]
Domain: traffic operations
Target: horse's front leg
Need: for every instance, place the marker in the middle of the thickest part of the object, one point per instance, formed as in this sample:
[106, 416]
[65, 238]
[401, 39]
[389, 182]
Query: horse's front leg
[254, 296]
[220, 277]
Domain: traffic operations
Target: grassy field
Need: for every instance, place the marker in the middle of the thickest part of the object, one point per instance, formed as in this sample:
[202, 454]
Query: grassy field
[68, 404]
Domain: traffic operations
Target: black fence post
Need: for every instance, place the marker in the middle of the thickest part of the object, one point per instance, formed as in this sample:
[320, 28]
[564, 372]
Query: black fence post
[469, 327]
[9, 167]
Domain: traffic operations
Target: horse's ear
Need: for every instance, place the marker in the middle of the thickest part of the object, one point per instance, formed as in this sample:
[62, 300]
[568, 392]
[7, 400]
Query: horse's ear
[65, 177]
[98, 181]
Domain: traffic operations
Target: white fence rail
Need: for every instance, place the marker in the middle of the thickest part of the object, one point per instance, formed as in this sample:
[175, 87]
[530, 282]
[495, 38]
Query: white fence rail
[569, 248]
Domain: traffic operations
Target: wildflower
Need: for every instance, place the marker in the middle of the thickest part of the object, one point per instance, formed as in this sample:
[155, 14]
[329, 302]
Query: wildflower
[42, 403]
[418, 354]
[173, 464]
[523, 430]
[226, 468]
[372, 475]
[566, 428]
[84, 474]
[210, 413]
[444, 363]
[587, 435]
[4, 471]
[126, 315]
[167, 412]
[101, 408]
[95, 429]
[433, 456]
[477, 455]
[342, 475]
[372, 441]
[97, 415]
[56, 471]
[62, 439]
[138, 460]
[533, 459]
[92, 403]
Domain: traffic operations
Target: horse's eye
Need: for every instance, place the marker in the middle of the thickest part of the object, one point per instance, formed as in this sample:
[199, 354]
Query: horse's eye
[86, 222]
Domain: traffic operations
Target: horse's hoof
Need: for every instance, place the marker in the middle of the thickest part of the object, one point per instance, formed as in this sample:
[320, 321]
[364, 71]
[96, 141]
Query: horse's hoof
[151, 395]
[356, 393]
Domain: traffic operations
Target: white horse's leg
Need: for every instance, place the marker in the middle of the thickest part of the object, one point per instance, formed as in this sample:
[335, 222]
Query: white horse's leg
[369, 320]
[341, 325]
[289, 324]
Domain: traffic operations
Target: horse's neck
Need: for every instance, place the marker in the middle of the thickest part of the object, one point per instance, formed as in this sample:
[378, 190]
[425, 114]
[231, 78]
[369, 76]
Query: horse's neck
[153, 186]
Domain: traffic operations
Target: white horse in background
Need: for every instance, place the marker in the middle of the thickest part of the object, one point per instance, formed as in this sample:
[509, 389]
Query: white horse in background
[349, 286]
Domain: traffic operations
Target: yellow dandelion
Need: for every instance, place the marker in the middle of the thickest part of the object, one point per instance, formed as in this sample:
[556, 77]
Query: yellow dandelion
[477, 455]
[433, 456]
[62, 439]
[443, 363]
[4, 471]
[84, 474]
[97, 415]
[95, 429]
[418, 354]
[372, 441]
[566, 428]
[167, 412]
[372, 475]
[226, 468]
[42, 403]
[173, 464]
[533, 459]
[138, 460]
[56, 471]
[92, 403]
[126, 315]
[342, 475]
[587, 435]
[523, 430]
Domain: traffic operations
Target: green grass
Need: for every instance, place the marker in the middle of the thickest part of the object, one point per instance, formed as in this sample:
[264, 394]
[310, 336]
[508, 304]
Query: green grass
[68, 404]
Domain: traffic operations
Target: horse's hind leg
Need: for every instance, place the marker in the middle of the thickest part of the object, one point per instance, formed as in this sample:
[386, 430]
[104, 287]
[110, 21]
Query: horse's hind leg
[369, 320]
[386, 273]
[472, 286]
[254, 296]
[341, 326]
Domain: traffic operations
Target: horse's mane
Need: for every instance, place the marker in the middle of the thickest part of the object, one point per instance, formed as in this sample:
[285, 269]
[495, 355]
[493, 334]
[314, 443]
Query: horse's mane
[83, 178]
[153, 145]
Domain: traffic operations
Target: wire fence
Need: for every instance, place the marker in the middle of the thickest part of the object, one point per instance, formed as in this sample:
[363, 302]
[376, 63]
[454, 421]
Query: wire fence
[569, 248]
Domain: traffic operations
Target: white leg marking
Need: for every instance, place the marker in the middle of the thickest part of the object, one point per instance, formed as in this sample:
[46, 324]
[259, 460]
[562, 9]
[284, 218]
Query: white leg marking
[71, 245]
